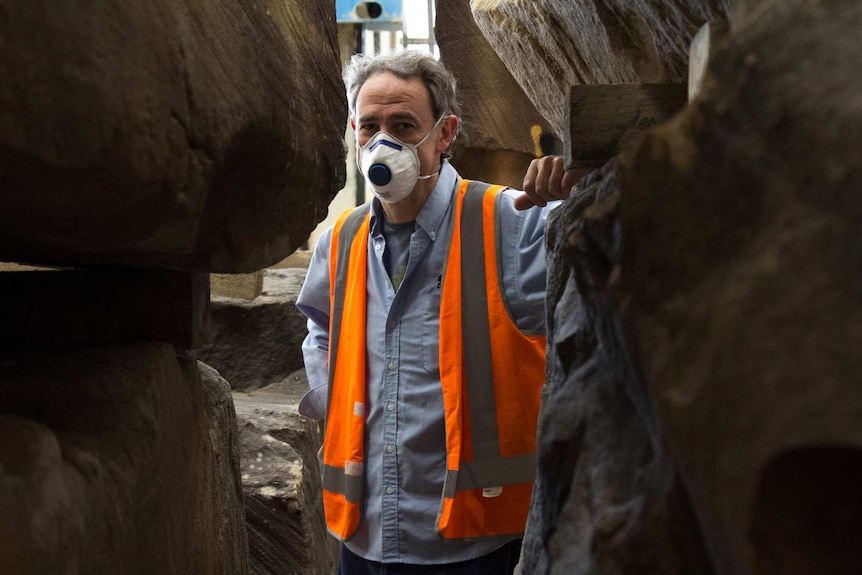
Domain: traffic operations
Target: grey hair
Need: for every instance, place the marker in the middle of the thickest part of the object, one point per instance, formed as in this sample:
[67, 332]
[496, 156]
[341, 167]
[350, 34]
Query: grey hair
[407, 64]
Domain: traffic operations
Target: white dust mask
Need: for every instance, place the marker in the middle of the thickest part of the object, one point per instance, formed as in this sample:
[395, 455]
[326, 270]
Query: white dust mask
[391, 167]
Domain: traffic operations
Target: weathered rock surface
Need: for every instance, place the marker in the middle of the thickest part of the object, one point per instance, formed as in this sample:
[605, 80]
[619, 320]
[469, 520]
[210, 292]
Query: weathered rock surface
[501, 130]
[742, 290]
[255, 343]
[608, 498]
[702, 413]
[256, 347]
[202, 135]
[281, 482]
[550, 45]
[118, 460]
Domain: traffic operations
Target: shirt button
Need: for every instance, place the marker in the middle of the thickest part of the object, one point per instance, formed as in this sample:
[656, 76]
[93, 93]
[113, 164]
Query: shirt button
[393, 323]
[433, 235]
[390, 448]
[391, 365]
[378, 246]
[389, 489]
[389, 407]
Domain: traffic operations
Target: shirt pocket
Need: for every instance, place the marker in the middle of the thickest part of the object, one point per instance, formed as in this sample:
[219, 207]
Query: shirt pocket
[431, 331]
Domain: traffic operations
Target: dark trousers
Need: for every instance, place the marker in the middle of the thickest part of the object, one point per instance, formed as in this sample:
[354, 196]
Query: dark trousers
[500, 562]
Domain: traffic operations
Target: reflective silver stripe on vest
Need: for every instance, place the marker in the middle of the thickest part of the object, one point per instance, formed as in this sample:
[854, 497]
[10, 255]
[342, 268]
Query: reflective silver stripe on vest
[476, 334]
[335, 480]
[488, 469]
[496, 473]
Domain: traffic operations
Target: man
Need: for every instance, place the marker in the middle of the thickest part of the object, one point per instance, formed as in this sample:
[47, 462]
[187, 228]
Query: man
[425, 350]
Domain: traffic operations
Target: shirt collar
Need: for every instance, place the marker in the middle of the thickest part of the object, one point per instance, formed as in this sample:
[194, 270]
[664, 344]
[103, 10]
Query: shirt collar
[431, 214]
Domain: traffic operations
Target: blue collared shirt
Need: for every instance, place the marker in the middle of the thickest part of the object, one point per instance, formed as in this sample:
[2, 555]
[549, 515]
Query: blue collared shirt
[405, 448]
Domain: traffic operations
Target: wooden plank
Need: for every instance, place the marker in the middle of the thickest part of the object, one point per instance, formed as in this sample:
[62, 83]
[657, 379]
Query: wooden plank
[602, 117]
[50, 310]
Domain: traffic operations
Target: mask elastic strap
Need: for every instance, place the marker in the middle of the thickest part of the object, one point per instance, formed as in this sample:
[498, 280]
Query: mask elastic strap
[431, 131]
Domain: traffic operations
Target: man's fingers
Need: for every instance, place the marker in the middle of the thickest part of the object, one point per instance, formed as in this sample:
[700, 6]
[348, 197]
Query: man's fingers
[555, 179]
[523, 202]
[545, 171]
[533, 177]
[530, 177]
[546, 180]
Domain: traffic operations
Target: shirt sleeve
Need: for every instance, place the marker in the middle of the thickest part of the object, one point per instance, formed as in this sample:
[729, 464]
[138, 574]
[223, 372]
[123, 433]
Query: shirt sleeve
[524, 262]
[313, 301]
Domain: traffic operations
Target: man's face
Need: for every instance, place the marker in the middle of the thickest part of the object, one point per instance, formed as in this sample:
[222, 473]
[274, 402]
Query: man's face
[402, 108]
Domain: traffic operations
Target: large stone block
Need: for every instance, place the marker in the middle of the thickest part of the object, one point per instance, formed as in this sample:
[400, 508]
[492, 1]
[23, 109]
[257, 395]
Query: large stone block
[501, 130]
[741, 289]
[608, 498]
[201, 135]
[550, 45]
[118, 460]
[282, 486]
[256, 347]
[702, 412]
[256, 343]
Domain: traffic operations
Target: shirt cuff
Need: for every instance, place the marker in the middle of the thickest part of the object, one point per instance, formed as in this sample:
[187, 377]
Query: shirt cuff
[313, 403]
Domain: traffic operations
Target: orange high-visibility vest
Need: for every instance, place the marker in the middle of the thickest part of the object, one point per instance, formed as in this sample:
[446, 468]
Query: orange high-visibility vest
[491, 374]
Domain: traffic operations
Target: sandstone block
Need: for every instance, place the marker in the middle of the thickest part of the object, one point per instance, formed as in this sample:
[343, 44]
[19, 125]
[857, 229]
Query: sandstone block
[282, 486]
[608, 497]
[197, 135]
[550, 45]
[118, 460]
[740, 277]
[702, 412]
[257, 343]
[241, 286]
[501, 130]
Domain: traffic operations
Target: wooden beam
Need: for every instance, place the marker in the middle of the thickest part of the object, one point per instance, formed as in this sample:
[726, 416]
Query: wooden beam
[61, 309]
[602, 117]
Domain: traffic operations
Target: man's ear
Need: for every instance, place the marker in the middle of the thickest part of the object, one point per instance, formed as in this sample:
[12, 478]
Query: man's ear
[352, 124]
[448, 129]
